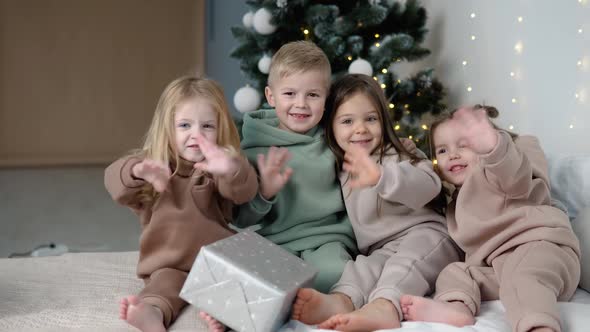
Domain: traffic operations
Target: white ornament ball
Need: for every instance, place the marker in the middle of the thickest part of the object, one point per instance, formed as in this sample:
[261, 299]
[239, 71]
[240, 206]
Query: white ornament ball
[360, 66]
[264, 64]
[262, 23]
[248, 19]
[246, 99]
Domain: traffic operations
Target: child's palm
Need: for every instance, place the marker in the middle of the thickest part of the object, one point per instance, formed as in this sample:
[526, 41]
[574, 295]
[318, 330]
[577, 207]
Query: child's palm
[155, 172]
[217, 161]
[476, 129]
[364, 172]
[272, 176]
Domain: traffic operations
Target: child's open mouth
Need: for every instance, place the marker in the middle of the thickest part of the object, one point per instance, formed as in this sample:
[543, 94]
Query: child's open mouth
[362, 142]
[457, 168]
[299, 116]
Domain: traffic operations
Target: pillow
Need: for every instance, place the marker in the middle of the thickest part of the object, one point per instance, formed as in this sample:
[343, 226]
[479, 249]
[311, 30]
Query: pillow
[581, 226]
[570, 181]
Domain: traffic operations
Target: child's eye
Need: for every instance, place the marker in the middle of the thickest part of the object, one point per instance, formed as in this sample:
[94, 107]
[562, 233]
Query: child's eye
[314, 95]
[184, 125]
[346, 121]
[441, 151]
[289, 93]
[208, 126]
[372, 119]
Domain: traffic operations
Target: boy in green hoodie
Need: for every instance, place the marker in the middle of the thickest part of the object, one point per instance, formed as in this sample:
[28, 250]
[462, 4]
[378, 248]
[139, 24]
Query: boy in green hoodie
[299, 205]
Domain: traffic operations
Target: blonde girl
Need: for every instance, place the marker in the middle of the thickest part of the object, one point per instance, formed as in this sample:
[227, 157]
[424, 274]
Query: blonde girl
[182, 185]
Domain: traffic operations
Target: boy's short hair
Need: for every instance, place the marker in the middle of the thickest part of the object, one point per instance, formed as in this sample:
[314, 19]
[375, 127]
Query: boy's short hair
[298, 56]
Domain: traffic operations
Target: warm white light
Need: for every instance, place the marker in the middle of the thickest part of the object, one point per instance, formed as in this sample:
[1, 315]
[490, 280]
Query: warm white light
[511, 127]
[577, 95]
[472, 15]
[349, 58]
[376, 35]
[396, 127]
[571, 126]
[306, 31]
[464, 63]
[377, 44]
[511, 74]
[514, 100]
[580, 30]
[424, 127]
[579, 62]
[383, 86]
[472, 37]
[391, 105]
[375, 78]
[518, 47]
[384, 71]
[469, 89]
[519, 19]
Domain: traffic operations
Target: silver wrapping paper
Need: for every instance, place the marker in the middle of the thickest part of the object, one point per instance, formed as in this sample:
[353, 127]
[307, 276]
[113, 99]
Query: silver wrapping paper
[246, 282]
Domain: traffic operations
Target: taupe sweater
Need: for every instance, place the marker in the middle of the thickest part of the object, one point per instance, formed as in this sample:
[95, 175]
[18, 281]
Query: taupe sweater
[192, 212]
[506, 202]
[395, 204]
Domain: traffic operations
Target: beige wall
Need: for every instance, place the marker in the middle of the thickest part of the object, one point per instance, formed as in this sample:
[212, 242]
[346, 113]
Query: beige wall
[79, 80]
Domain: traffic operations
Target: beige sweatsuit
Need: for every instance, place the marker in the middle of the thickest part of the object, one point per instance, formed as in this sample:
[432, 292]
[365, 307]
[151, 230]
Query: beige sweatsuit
[404, 244]
[192, 212]
[518, 247]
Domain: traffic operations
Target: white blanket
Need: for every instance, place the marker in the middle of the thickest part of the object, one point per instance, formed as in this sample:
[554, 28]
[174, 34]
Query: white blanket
[80, 292]
[575, 316]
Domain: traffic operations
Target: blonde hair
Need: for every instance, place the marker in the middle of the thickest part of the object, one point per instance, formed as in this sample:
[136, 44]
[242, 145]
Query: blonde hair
[160, 137]
[298, 56]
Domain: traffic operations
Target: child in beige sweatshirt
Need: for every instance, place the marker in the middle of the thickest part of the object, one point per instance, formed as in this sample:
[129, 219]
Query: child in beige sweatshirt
[518, 247]
[404, 243]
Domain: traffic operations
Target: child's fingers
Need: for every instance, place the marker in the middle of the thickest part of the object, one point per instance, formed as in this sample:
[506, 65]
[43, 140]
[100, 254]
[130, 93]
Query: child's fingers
[205, 145]
[287, 174]
[260, 160]
[284, 156]
[271, 156]
[203, 166]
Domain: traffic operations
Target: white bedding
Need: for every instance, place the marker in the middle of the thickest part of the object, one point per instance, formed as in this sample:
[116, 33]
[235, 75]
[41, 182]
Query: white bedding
[575, 316]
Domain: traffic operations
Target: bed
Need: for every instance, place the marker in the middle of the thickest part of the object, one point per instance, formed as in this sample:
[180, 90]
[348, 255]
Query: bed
[80, 292]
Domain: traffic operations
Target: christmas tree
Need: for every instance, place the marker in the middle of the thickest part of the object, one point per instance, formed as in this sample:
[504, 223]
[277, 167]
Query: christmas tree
[370, 37]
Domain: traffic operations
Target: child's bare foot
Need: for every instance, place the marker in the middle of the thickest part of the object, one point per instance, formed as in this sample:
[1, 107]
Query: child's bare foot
[416, 308]
[213, 324]
[143, 316]
[312, 307]
[377, 315]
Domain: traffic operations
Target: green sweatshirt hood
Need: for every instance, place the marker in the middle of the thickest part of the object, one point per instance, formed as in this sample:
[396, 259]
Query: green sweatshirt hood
[261, 128]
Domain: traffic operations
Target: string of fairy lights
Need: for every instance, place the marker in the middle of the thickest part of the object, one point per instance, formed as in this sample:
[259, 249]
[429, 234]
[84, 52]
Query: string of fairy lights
[516, 73]
[368, 70]
[583, 63]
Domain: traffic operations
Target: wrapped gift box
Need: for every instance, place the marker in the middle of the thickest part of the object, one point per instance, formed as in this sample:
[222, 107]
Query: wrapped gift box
[246, 282]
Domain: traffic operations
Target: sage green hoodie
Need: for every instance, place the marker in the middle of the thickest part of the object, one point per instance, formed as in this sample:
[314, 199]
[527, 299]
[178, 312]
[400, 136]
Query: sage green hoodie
[309, 211]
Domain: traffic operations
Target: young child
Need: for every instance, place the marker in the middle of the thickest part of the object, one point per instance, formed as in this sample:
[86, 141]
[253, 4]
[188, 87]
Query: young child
[519, 248]
[386, 188]
[301, 210]
[182, 185]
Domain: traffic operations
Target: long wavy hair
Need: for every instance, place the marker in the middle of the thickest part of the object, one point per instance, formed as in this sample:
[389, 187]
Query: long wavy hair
[159, 143]
[343, 89]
